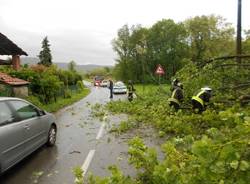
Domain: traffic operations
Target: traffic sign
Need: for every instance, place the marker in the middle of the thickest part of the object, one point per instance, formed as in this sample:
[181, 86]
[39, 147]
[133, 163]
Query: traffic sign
[159, 70]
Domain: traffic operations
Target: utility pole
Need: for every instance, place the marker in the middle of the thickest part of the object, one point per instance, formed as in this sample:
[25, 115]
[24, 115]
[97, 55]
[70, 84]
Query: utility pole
[238, 40]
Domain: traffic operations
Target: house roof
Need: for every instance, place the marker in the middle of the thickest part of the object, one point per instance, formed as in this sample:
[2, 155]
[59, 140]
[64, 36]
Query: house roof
[6, 79]
[7, 47]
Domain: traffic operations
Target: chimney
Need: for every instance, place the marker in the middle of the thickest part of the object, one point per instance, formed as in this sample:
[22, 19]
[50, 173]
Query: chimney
[16, 62]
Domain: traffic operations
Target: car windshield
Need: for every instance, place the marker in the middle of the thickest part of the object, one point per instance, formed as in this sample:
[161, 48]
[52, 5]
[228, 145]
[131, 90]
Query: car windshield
[120, 84]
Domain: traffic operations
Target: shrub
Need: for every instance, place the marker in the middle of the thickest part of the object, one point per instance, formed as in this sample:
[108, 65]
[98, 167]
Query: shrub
[79, 85]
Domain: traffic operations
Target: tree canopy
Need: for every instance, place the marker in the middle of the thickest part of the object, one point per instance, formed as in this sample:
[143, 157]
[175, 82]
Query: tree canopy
[139, 49]
[72, 66]
[45, 54]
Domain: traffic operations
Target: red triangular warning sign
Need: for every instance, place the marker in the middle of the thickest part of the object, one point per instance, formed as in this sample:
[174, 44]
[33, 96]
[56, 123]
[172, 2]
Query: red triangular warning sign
[159, 70]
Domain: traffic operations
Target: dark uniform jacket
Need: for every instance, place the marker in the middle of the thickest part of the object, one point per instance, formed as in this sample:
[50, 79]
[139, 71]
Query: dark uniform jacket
[205, 96]
[178, 94]
[131, 88]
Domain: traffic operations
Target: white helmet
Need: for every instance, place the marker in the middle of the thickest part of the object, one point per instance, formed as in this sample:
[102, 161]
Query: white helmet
[207, 89]
[179, 84]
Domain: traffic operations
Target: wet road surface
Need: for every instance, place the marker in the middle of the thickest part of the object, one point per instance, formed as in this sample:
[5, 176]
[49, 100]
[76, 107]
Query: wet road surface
[82, 140]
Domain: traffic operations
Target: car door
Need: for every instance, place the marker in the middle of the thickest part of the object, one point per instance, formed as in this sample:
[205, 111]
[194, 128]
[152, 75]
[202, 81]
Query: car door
[12, 138]
[34, 127]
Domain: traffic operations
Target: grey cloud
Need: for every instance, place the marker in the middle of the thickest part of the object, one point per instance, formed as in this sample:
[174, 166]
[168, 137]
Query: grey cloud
[82, 46]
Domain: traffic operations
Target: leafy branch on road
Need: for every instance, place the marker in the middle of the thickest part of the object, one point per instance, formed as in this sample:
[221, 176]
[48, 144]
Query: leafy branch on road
[98, 111]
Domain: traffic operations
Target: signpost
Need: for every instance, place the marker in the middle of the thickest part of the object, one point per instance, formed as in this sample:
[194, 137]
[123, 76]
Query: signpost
[159, 71]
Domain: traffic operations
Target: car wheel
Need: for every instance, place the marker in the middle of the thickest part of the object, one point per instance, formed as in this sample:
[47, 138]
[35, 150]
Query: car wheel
[52, 136]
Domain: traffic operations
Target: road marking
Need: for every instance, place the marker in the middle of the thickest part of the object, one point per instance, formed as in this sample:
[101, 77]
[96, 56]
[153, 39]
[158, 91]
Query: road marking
[99, 135]
[87, 161]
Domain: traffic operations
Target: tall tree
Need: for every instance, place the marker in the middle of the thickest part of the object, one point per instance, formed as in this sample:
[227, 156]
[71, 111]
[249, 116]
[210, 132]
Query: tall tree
[167, 45]
[209, 36]
[45, 54]
[141, 49]
[72, 66]
[121, 46]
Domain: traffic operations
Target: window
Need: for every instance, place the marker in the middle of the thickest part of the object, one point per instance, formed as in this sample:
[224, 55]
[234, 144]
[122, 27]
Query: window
[6, 115]
[24, 110]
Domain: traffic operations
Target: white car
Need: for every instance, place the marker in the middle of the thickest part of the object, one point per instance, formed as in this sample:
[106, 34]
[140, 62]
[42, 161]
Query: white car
[119, 88]
[104, 83]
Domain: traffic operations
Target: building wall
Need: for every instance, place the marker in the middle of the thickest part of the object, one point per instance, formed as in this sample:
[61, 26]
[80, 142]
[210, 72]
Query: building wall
[20, 91]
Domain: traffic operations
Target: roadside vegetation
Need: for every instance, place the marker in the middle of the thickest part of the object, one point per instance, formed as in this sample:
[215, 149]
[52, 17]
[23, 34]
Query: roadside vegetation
[212, 147]
[61, 101]
[51, 88]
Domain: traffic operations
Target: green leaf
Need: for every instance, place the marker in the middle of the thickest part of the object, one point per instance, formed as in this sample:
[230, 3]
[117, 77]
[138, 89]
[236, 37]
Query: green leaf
[234, 164]
[221, 182]
[244, 165]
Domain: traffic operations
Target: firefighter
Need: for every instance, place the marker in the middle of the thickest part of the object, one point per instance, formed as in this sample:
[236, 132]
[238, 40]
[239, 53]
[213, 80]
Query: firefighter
[174, 84]
[131, 90]
[111, 86]
[177, 96]
[200, 101]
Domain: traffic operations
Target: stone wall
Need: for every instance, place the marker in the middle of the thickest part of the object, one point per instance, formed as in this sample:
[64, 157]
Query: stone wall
[20, 91]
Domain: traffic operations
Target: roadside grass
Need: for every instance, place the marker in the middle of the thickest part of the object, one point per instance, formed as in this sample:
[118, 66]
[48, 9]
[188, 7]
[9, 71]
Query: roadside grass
[151, 88]
[61, 102]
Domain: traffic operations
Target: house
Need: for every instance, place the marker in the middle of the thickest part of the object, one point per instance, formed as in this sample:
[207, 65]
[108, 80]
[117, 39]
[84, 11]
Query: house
[10, 86]
[7, 47]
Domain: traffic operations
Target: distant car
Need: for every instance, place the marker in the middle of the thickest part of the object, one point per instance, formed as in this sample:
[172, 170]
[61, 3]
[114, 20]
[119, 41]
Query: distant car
[98, 80]
[119, 88]
[104, 83]
[23, 129]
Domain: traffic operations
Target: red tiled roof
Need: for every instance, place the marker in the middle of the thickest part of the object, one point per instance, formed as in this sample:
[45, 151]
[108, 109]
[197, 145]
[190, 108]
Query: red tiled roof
[5, 78]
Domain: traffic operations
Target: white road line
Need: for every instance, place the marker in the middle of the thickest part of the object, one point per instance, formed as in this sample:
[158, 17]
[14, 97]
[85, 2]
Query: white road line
[87, 161]
[99, 135]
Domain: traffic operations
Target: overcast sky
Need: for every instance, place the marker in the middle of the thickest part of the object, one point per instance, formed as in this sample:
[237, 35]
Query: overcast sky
[82, 30]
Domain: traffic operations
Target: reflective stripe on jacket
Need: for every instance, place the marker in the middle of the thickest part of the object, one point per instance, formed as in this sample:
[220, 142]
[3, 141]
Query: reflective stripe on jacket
[173, 99]
[198, 99]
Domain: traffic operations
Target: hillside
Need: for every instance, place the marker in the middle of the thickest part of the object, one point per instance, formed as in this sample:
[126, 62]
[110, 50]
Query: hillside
[64, 66]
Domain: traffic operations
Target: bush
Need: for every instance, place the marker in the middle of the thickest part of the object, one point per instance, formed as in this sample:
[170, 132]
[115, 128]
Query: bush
[34, 100]
[48, 83]
[79, 85]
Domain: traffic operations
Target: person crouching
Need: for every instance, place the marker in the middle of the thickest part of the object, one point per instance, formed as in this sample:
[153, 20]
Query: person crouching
[176, 97]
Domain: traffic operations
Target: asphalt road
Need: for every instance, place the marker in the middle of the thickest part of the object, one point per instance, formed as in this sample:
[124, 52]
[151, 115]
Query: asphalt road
[82, 140]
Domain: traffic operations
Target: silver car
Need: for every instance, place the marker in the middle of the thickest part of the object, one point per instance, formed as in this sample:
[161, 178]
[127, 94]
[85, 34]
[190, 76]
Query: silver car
[23, 129]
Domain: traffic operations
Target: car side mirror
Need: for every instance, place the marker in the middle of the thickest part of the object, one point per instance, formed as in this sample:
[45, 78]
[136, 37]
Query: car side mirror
[41, 112]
